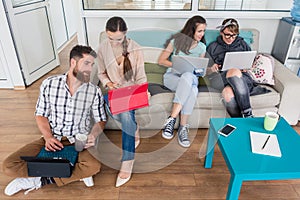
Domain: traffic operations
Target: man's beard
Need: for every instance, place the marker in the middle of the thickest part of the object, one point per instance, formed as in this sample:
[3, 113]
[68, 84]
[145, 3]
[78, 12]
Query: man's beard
[81, 76]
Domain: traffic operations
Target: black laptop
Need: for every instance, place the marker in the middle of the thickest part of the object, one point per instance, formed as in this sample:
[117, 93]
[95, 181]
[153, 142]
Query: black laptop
[52, 164]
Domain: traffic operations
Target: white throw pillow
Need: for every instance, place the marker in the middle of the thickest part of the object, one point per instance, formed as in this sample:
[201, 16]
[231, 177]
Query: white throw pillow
[262, 69]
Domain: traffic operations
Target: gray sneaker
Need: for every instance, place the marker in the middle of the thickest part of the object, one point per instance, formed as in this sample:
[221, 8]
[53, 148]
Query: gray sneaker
[183, 137]
[168, 130]
[247, 113]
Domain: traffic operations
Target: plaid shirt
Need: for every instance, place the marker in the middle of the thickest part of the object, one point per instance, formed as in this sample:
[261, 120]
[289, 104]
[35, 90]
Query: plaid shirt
[69, 115]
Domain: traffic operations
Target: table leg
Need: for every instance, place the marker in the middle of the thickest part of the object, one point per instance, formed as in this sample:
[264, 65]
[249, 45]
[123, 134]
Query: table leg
[234, 188]
[210, 148]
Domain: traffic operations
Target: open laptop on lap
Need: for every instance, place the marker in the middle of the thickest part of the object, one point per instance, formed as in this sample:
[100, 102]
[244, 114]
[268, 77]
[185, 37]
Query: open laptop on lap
[182, 64]
[238, 59]
[52, 164]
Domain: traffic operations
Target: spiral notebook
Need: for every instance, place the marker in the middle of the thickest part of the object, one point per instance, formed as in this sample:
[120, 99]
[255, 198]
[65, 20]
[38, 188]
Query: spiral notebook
[264, 143]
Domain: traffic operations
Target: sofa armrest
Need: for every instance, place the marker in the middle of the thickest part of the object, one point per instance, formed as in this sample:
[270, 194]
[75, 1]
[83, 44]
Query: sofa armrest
[288, 85]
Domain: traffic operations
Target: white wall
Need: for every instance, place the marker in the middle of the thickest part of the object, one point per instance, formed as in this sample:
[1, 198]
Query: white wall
[72, 14]
[282, 4]
[65, 20]
[266, 27]
[266, 22]
[9, 61]
[58, 22]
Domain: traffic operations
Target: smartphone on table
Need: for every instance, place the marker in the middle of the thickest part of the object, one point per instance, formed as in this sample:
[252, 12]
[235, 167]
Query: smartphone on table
[227, 130]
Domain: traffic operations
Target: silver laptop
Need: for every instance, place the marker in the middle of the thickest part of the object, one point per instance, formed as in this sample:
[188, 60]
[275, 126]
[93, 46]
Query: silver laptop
[238, 59]
[182, 64]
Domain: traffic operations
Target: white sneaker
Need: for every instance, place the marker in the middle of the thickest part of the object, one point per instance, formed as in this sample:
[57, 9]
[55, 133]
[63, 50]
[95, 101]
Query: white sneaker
[88, 181]
[27, 184]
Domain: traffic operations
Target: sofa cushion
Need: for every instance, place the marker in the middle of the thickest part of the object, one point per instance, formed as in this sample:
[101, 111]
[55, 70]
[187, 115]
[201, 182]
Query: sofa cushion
[203, 81]
[155, 78]
[154, 68]
[155, 88]
[154, 73]
[270, 99]
[211, 100]
[150, 38]
[158, 103]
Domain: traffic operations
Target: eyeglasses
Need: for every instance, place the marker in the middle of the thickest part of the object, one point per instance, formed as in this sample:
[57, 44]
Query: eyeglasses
[227, 35]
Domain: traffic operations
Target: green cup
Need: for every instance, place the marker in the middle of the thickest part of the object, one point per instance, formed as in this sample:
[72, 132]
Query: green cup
[270, 122]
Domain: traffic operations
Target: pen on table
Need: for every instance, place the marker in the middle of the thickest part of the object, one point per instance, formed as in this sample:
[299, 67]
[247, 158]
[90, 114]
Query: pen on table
[266, 142]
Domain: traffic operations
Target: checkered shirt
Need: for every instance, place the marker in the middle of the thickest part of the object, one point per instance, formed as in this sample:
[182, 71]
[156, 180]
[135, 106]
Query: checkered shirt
[69, 115]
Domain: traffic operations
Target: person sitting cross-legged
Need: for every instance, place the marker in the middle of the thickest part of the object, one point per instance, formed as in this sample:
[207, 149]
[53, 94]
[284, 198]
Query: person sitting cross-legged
[68, 104]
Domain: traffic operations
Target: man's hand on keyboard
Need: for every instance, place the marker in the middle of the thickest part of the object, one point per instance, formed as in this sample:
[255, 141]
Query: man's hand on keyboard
[90, 141]
[52, 144]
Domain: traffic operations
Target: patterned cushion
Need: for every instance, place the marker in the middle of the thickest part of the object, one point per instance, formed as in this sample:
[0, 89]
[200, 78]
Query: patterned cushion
[262, 69]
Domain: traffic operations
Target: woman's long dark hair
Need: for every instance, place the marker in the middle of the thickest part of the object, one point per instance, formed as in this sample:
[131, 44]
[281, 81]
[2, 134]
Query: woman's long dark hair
[115, 24]
[183, 40]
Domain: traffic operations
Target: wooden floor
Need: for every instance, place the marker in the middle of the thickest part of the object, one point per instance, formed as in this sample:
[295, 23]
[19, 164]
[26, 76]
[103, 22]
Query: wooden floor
[185, 178]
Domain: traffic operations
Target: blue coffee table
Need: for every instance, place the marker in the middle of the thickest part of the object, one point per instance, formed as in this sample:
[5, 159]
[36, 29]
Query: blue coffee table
[247, 166]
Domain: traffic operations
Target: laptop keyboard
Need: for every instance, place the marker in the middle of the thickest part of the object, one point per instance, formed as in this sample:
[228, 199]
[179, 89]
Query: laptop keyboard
[68, 153]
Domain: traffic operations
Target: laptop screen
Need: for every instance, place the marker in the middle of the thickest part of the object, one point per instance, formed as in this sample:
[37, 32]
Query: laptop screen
[182, 64]
[239, 60]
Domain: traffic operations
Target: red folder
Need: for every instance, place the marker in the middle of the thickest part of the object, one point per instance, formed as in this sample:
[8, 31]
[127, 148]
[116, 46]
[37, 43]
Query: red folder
[128, 98]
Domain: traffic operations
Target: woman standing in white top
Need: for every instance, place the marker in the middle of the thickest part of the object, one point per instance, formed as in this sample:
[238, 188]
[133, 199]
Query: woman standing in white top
[121, 63]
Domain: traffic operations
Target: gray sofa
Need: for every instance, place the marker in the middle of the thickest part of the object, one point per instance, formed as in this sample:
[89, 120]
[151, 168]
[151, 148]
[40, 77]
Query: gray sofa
[284, 97]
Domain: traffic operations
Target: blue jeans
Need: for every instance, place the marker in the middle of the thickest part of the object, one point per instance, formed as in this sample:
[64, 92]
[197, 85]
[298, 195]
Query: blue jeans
[129, 126]
[186, 89]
